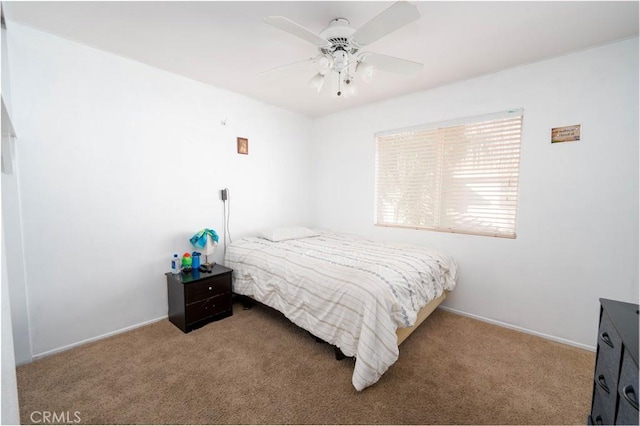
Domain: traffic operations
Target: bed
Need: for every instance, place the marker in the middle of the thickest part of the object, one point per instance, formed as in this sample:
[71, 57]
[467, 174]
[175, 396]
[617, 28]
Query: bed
[364, 297]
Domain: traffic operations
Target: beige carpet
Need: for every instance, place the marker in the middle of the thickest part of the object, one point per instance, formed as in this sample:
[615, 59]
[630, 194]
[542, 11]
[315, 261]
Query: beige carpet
[256, 367]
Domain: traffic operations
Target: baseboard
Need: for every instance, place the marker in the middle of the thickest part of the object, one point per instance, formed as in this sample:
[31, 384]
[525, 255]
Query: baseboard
[521, 329]
[445, 308]
[93, 339]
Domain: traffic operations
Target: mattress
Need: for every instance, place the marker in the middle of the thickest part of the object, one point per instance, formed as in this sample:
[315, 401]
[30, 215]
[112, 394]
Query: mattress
[349, 291]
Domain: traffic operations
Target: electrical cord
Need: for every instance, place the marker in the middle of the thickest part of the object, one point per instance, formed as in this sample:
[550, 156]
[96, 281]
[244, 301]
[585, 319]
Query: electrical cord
[226, 213]
[227, 230]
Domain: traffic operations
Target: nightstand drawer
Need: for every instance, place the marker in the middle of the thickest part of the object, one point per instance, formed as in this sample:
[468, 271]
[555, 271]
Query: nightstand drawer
[208, 307]
[205, 289]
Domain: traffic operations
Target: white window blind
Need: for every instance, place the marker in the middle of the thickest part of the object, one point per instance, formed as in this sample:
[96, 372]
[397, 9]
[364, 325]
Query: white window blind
[459, 176]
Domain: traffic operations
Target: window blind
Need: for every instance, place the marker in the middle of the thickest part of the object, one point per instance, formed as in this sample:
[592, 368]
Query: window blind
[457, 176]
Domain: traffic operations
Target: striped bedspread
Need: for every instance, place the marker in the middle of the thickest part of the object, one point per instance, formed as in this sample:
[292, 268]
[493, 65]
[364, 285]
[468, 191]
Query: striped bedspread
[351, 292]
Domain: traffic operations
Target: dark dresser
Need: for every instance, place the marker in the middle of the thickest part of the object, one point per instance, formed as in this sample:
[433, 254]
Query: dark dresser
[615, 383]
[197, 298]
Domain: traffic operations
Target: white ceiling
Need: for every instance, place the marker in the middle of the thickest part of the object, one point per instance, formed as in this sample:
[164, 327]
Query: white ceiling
[227, 44]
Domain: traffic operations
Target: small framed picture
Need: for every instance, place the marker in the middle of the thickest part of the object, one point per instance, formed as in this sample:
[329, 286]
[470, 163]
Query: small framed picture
[243, 146]
[565, 134]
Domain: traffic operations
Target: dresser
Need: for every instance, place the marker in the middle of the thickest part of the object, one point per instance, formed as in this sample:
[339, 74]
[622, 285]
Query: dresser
[615, 382]
[197, 298]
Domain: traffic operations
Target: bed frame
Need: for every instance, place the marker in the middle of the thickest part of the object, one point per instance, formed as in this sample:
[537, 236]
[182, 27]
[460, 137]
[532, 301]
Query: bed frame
[402, 333]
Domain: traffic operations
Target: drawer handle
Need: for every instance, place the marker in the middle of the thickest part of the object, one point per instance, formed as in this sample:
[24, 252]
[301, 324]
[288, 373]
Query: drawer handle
[603, 383]
[633, 400]
[599, 420]
[606, 339]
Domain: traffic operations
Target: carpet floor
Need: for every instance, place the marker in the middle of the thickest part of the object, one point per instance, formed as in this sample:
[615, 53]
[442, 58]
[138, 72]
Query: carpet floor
[258, 368]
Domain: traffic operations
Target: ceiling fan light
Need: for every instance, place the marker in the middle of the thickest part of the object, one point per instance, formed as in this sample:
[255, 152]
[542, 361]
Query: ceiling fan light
[324, 64]
[365, 70]
[316, 82]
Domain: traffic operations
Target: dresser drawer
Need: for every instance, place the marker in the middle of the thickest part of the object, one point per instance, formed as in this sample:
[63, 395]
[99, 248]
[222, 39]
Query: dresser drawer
[607, 382]
[602, 412]
[606, 385]
[609, 348]
[205, 289]
[628, 392]
[208, 307]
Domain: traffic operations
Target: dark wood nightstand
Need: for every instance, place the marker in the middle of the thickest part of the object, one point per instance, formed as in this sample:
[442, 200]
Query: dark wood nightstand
[197, 298]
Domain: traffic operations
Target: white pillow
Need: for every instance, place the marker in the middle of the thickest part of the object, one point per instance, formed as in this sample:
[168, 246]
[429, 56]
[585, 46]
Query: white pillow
[290, 233]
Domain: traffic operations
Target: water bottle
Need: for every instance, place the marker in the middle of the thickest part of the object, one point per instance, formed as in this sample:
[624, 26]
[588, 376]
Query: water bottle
[175, 264]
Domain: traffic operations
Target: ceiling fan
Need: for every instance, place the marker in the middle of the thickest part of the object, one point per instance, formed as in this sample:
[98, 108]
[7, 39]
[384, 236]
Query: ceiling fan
[339, 45]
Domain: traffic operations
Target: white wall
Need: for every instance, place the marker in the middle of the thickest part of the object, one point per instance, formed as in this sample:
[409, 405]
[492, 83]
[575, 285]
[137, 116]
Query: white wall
[578, 209]
[119, 165]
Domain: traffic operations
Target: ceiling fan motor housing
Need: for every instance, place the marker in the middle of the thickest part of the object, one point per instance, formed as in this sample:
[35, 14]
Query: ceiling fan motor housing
[338, 33]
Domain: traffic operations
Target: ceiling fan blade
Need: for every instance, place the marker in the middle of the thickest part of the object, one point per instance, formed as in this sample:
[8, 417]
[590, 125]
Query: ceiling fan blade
[392, 64]
[393, 18]
[289, 66]
[297, 30]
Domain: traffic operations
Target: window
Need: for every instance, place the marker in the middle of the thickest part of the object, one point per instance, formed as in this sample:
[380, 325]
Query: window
[459, 176]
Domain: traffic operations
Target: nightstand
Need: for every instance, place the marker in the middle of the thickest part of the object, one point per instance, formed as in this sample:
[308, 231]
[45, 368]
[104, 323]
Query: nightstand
[197, 298]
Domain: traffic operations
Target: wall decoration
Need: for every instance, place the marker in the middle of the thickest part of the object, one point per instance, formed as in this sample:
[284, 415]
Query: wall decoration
[565, 134]
[243, 146]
